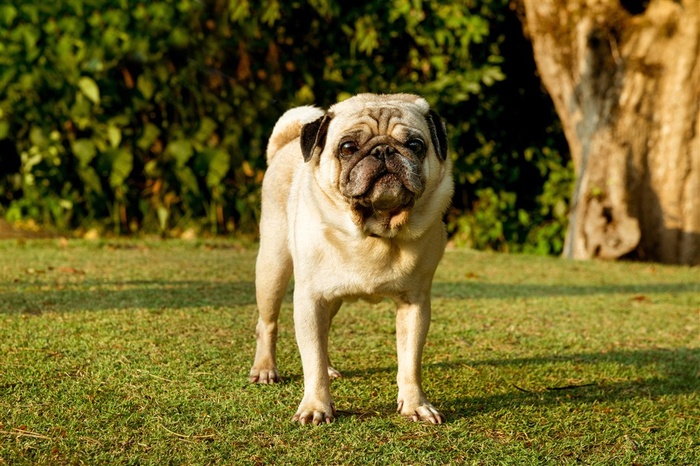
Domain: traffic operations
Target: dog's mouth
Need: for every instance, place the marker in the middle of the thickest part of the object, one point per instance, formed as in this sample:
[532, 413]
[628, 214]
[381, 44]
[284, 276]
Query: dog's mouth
[385, 208]
[382, 187]
[387, 193]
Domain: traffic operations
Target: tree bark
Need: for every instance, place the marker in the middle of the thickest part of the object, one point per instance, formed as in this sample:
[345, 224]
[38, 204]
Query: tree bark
[624, 76]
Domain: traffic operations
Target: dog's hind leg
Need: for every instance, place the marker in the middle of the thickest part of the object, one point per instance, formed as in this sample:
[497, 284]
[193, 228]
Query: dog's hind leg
[333, 308]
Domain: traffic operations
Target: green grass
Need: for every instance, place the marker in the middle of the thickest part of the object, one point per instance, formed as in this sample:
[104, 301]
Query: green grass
[138, 353]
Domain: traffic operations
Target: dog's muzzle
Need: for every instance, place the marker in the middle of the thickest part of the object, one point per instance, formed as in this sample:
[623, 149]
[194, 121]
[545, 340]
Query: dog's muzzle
[384, 180]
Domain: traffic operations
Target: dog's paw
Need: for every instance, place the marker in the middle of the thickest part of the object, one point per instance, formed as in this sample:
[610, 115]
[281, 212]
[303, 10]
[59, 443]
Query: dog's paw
[264, 375]
[421, 412]
[315, 414]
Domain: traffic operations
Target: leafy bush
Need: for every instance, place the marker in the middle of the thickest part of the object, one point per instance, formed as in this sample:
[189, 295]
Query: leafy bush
[153, 116]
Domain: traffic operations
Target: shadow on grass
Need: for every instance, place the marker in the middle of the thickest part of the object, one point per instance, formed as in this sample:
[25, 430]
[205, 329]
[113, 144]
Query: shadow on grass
[676, 370]
[145, 294]
[47, 296]
[479, 290]
[677, 373]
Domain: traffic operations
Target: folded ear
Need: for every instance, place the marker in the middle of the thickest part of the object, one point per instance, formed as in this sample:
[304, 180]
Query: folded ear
[313, 135]
[438, 134]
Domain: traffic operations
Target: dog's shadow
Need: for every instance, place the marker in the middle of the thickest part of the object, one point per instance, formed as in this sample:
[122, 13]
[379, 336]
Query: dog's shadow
[676, 373]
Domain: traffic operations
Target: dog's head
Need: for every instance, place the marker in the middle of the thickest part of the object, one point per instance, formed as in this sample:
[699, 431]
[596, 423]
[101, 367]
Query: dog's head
[382, 153]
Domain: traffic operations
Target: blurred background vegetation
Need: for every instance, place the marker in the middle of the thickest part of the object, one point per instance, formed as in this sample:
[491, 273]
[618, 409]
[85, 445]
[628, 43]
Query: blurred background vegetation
[134, 117]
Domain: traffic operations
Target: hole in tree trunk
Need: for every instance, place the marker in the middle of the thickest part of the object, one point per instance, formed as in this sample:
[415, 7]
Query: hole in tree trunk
[608, 214]
[635, 7]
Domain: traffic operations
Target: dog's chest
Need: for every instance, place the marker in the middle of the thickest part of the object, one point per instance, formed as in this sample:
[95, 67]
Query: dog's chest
[369, 270]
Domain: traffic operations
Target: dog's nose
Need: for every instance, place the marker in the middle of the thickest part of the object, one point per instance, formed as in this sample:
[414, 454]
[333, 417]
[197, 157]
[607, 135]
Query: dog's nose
[383, 151]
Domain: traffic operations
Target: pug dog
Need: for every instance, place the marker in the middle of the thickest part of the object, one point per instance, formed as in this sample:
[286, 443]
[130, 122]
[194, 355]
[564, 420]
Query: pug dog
[352, 206]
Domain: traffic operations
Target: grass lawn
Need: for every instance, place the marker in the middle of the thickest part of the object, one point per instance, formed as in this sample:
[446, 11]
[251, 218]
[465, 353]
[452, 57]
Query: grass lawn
[138, 353]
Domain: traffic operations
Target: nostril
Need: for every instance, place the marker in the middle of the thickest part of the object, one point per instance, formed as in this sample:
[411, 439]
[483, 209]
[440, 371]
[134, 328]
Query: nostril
[383, 151]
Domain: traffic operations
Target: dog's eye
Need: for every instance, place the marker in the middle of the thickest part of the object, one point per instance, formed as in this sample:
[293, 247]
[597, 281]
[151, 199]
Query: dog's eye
[348, 148]
[416, 145]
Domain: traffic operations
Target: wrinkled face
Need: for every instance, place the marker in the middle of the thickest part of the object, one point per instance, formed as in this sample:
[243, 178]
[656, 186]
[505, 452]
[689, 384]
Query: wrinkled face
[378, 152]
[381, 162]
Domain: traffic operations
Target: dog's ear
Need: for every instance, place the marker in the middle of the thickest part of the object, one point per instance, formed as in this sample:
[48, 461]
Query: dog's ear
[438, 134]
[313, 135]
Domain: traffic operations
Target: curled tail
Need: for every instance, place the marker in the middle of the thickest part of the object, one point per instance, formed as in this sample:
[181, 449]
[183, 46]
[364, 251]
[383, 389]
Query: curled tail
[288, 127]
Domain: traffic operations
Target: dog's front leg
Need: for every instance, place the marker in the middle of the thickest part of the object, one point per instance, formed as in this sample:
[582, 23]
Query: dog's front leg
[412, 323]
[311, 322]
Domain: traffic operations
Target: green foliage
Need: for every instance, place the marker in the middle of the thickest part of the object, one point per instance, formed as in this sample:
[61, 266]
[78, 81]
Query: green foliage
[153, 116]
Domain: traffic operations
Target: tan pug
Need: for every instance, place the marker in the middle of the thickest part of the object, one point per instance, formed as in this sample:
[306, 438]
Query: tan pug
[352, 204]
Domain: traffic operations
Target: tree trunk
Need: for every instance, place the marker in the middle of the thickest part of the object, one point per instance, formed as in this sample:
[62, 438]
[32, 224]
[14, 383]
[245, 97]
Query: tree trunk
[624, 76]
